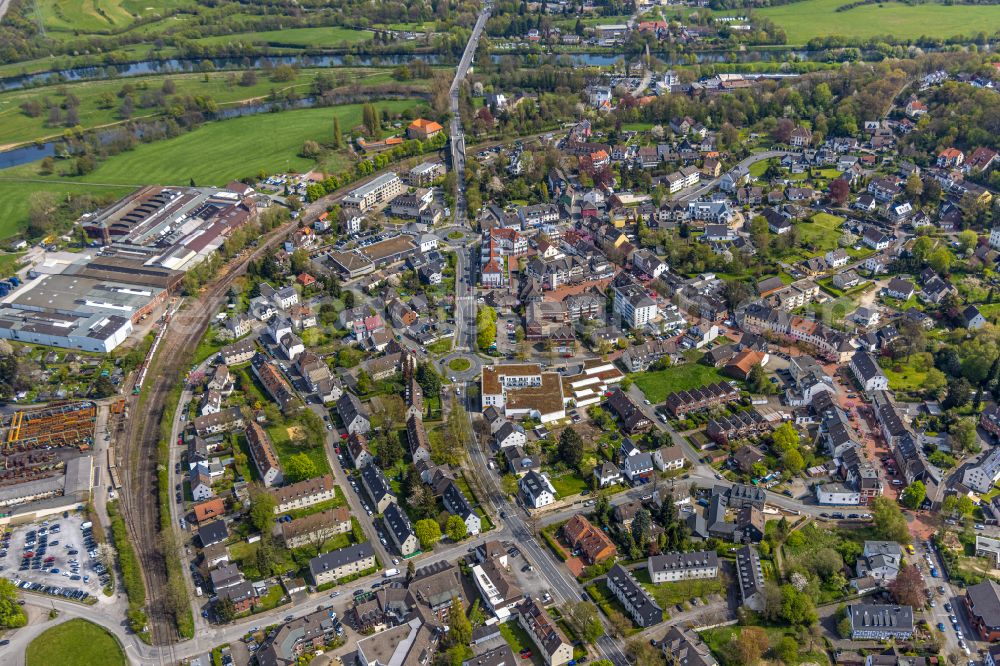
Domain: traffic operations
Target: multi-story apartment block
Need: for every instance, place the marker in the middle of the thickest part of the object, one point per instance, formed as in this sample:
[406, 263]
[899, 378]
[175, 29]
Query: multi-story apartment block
[375, 193]
[672, 567]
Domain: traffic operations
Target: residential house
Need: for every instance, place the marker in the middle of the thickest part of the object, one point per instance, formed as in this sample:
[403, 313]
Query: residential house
[553, 646]
[677, 566]
[352, 414]
[638, 603]
[880, 622]
[536, 490]
[751, 578]
[341, 563]
[302, 494]
[265, 458]
[400, 528]
[377, 485]
[593, 544]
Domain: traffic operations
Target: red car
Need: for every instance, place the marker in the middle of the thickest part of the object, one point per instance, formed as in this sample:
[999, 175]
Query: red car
[525, 654]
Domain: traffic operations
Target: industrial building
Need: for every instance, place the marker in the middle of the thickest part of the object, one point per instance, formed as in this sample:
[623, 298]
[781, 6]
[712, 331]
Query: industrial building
[171, 227]
[92, 300]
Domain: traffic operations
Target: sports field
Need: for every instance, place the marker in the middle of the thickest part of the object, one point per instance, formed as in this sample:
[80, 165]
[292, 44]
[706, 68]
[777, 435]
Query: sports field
[808, 19]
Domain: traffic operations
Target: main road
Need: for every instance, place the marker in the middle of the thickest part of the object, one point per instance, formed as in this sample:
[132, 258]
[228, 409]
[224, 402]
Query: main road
[465, 302]
[563, 588]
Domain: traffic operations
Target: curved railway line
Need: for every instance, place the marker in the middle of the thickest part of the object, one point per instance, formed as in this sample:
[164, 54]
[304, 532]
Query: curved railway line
[137, 455]
[138, 427]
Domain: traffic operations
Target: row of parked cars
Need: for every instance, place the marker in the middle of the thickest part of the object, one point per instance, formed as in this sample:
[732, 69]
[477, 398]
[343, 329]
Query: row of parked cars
[78, 595]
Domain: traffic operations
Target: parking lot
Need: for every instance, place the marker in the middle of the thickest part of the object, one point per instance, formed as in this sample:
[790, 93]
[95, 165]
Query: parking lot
[58, 553]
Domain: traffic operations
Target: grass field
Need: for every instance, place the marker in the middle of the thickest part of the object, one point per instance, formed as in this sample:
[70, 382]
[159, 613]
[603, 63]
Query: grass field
[822, 232]
[211, 155]
[661, 383]
[718, 642]
[425, 26]
[568, 484]
[14, 199]
[76, 642]
[296, 37]
[670, 594]
[17, 127]
[591, 21]
[99, 15]
[221, 151]
[808, 19]
[907, 379]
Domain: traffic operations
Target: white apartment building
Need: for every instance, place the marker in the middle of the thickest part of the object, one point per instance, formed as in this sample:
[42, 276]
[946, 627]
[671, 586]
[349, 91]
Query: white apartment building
[672, 567]
[633, 305]
[982, 476]
[376, 192]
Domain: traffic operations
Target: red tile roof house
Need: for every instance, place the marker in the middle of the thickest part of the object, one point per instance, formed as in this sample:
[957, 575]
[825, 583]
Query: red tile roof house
[950, 157]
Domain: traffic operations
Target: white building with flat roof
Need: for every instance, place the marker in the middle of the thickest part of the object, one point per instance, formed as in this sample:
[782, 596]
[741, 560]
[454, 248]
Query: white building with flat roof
[375, 193]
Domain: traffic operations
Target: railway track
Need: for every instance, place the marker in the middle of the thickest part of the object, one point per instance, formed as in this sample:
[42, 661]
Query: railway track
[138, 460]
[136, 453]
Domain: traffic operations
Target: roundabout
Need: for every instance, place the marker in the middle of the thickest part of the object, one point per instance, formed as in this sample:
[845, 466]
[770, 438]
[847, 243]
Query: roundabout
[460, 366]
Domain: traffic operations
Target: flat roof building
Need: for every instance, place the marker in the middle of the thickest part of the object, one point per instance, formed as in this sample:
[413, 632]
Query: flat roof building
[376, 192]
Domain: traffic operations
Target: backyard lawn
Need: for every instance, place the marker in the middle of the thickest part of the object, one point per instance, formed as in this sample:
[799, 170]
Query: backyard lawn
[286, 448]
[568, 484]
[718, 642]
[822, 232]
[671, 594]
[657, 385]
[518, 639]
[76, 642]
[907, 378]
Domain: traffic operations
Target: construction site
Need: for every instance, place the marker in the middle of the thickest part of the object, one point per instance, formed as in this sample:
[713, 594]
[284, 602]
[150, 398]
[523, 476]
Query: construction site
[46, 457]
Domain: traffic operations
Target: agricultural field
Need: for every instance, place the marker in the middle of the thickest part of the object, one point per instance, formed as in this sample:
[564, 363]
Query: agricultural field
[99, 101]
[218, 152]
[210, 155]
[809, 19]
[100, 16]
[326, 37]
